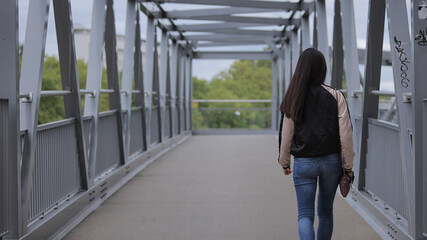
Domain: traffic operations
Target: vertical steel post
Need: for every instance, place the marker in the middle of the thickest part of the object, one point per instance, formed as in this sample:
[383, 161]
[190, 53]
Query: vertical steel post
[295, 50]
[337, 49]
[163, 74]
[288, 65]
[127, 74]
[173, 86]
[352, 75]
[374, 46]
[10, 189]
[94, 78]
[305, 31]
[400, 43]
[139, 81]
[187, 98]
[419, 102]
[30, 82]
[148, 74]
[156, 87]
[322, 36]
[113, 75]
[181, 77]
[281, 69]
[274, 94]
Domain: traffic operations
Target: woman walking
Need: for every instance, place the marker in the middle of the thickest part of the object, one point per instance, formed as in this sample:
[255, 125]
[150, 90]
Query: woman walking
[315, 129]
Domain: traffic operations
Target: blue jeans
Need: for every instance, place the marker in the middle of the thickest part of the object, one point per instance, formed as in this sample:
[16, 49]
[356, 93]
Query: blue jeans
[326, 170]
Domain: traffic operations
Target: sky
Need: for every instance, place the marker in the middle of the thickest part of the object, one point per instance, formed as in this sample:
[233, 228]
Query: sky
[204, 69]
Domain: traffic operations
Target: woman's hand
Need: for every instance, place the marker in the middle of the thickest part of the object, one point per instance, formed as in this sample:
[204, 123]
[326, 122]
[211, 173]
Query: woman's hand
[287, 171]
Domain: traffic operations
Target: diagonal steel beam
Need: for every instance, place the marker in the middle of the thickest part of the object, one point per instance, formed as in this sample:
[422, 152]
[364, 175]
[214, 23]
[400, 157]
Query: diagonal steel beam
[243, 3]
[222, 44]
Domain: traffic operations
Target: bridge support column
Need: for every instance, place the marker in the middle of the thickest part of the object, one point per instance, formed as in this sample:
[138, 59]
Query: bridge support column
[163, 78]
[305, 32]
[93, 82]
[402, 64]
[10, 172]
[30, 83]
[188, 91]
[127, 74]
[337, 49]
[173, 87]
[139, 82]
[419, 119]
[322, 36]
[181, 79]
[373, 59]
[352, 75]
[274, 105]
[149, 74]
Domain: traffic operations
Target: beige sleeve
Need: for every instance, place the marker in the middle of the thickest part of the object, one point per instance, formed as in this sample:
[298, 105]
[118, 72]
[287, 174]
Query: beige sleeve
[285, 147]
[346, 132]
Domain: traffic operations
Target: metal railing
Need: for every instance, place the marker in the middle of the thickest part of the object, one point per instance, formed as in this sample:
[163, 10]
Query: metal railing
[231, 114]
[384, 176]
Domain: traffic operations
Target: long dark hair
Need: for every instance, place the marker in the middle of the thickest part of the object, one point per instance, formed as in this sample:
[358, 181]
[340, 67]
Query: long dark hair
[310, 71]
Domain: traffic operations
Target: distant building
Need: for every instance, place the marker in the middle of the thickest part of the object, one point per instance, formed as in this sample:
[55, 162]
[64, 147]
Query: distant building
[82, 40]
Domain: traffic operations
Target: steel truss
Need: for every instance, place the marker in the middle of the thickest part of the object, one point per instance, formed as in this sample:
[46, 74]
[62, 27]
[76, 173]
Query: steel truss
[390, 163]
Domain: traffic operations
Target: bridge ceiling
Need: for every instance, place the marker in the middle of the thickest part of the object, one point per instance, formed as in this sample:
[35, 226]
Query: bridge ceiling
[216, 23]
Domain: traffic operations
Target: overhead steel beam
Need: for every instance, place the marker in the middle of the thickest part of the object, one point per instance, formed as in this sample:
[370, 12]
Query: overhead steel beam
[210, 26]
[211, 12]
[222, 44]
[270, 33]
[233, 55]
[259, 20]
[209, 37]
[243, 3]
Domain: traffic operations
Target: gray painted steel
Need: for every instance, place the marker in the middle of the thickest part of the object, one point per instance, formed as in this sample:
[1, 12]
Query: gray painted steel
[372, 78]
[322, 35]
[93, 82]
[383, 155]
[233, 55]
[108, 152]
[113, 77]
[70, 81]
[127, 74]
[274, 100]
[419, 118]
[337, 49]
[10, 172]
[30, 82]
[403, 83]
[4, 125]
[136, 140]
[56, 169]
[43, 186]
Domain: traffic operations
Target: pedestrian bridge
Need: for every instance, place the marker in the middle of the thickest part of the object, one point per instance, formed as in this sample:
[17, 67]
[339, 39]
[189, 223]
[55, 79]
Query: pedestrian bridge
[141, 171]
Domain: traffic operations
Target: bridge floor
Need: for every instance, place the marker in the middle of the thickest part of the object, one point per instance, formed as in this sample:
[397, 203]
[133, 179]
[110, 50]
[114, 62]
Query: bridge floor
[212, 187]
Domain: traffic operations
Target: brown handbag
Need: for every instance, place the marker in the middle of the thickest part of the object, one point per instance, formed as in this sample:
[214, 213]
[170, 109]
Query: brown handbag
[345, 182]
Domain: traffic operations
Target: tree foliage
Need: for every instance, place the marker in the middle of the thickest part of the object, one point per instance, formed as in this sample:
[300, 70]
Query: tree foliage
[52, 108]
[246, 79]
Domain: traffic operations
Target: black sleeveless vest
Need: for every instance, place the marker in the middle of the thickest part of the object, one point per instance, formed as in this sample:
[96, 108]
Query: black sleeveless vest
[317, 132]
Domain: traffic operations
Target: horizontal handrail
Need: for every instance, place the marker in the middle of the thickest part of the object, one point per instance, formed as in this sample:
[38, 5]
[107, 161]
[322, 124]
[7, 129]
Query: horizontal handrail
[383, 93]
[232, 100]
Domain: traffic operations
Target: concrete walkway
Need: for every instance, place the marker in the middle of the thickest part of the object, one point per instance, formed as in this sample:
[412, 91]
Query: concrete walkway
[212, 187]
